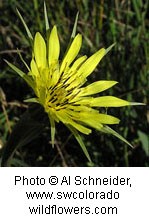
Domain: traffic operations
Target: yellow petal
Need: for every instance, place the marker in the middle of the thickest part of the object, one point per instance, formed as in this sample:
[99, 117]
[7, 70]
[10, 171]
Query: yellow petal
[91, 63]
[75, 66]
[107, 119]
[88, 119]
[54, 46]
[34, 68]
[40, 50]
[73, 82]
[63, 117]
[96, 87]
[54, 74]
[92, 123]
[77, 63]
[93, 119]
[99, 118]
[108, 101]
[72, 52]
[82, 109]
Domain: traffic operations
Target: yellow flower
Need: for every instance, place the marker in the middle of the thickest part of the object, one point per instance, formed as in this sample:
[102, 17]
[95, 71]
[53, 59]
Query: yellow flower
[59, 87]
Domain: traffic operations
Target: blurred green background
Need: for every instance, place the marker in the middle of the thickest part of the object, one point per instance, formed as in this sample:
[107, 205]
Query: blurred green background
[101, 22]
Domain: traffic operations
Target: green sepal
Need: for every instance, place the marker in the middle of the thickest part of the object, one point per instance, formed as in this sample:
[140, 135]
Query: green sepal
[136, 103]
[22, 74]
[32, 100]
[23, 60]
[80, 141]
[73, 34]
[107, 129]
[52, 122]
[46, 17]
[109, 48]
[75, 26]
[25, 25]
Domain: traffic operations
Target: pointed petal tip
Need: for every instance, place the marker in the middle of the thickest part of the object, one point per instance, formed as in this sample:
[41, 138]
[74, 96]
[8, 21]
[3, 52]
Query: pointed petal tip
[55, 26]
[78, 38]
[37, 34]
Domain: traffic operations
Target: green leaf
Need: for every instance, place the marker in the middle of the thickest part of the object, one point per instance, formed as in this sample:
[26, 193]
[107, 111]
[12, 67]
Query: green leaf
[107, 129]
[28, 128]
[144, 138]
[25, 25]
[80, 141]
